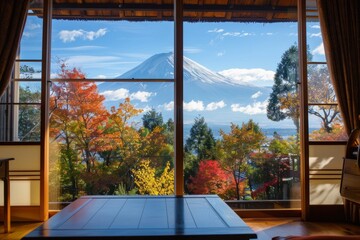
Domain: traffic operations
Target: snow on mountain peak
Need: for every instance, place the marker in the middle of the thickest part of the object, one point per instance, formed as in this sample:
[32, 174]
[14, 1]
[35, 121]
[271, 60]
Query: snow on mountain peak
[162, 66]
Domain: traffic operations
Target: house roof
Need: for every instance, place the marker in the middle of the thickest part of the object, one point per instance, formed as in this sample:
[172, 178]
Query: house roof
[162, 10]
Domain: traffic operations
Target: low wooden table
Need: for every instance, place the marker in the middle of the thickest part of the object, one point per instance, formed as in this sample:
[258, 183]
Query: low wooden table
[4, 175]
[152, 217]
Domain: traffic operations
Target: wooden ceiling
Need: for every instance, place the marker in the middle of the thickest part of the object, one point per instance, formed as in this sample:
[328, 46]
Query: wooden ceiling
[162, 10]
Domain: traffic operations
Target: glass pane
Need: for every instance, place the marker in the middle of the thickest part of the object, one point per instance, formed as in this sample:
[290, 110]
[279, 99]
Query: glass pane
[27, 119]
[241, 138]
[28, 70]
[112, 138]
[112, 49]
[31, 41]
[320, 87]
[28, 92]
[316, 52]
[325, 123]
[20, 123]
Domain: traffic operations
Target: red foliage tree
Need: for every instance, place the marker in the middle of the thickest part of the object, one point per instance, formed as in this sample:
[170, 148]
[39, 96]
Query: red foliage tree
[210, 179]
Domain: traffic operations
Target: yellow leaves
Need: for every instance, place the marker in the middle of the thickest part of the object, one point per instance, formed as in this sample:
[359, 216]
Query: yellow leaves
[148, 183]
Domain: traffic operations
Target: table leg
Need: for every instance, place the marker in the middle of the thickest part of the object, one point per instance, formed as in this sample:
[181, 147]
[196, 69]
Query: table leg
[7, 220]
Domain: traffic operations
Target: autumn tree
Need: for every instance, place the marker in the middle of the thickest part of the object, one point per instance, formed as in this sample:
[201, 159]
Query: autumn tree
[234, 149]
[77, 122]
[210, 179]
[275, 163]
[200, 145]
[284, 98]
[321, 91]
[148, 182]
[158, 139]
[125, 140]
[87, 113]
[337, 133]
[155, 148]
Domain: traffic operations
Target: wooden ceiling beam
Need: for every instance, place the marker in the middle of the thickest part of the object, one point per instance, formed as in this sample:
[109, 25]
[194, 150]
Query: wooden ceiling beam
[233, 8]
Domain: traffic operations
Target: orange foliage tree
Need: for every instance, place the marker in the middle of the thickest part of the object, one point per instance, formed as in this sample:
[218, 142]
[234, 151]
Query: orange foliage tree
[80, 107]
[234, 149]
[77, 121]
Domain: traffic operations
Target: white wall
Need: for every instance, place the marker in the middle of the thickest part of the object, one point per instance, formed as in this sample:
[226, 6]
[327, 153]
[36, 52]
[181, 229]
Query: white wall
[24, 174]
[325, 163]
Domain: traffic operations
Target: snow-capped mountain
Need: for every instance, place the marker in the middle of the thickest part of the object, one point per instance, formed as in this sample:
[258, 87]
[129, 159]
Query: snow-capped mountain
[162, 66]
[207, 93]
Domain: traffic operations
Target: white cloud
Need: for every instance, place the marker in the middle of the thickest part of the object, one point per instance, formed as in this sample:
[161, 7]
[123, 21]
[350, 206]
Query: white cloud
[30, 28]
[193, 106]
[316, 35]
[256, 95]
[315, 26]
[101, 76]
[220, 54]
[93, 35]
[238, 34]
[267, 34]
[27, 34]
[256, 76]
[142, 96]
[232, 34]
[168, 106]
[192, 50]
[54, 75]
[215, 30]
[319, 50]
[79, 48]
[33, 26]
[115, 95]
[123, 93]
[251, 109]
[71, 36]
[147, 108]
[215, 105]
[92, 61]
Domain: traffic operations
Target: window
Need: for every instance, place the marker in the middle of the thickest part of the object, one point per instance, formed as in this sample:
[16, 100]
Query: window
[325, 123]
[236, 144]
[20, 105]
[112, 108]
[111, 104]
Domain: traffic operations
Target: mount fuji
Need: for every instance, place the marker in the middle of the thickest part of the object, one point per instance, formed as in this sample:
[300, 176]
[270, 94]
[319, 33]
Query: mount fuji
[206, 93]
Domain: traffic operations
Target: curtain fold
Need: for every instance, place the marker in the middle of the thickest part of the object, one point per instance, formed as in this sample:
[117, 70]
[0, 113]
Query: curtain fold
[340, 26]
[12, 20]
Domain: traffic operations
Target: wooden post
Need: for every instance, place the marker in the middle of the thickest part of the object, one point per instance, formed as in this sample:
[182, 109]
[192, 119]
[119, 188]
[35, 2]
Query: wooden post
[44, 137]
[4, 175]
[179, 97]
[304, 125]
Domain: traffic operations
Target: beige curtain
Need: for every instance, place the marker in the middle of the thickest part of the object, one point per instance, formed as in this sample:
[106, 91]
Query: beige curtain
[12, 20]
[340, 26]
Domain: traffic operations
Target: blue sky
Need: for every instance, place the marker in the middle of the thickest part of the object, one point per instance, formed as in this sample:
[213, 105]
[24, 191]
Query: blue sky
[248, 53]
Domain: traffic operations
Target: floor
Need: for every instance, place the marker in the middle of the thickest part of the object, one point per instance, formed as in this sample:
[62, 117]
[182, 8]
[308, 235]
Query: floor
[265, 228]
[269, 228]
